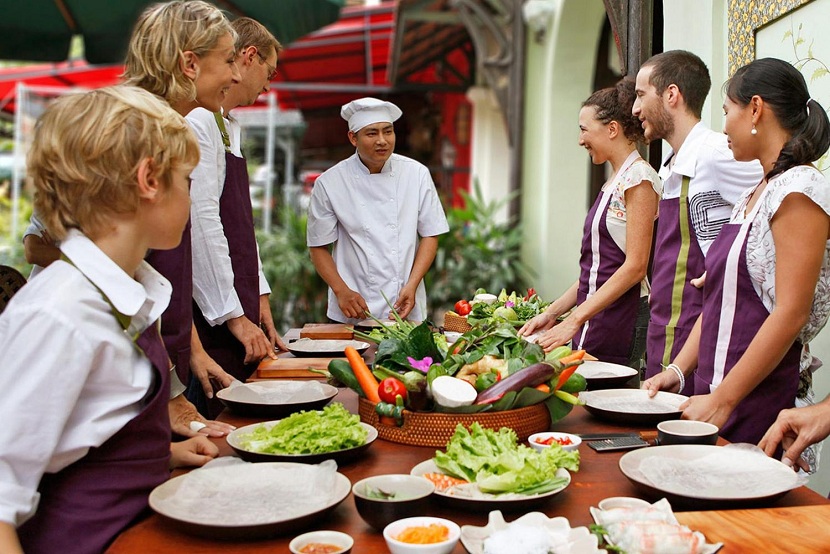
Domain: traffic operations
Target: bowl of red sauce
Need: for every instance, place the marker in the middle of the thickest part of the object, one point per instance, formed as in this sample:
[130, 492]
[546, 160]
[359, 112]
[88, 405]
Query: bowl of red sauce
[322, 542]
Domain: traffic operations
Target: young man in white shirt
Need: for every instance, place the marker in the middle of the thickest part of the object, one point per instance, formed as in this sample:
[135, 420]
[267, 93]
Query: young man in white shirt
[701, 183]
[382, 214]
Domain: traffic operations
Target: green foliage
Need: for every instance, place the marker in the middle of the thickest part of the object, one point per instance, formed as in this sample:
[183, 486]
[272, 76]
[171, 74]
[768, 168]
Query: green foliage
[298, 294]
[11, 249]
[477, 252]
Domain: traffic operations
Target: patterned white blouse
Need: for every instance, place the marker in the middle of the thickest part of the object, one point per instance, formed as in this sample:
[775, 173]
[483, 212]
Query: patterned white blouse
[760, 251]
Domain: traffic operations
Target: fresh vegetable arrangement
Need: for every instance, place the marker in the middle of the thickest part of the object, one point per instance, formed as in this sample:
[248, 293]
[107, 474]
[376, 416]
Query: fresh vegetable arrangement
[514, 307]
[498, 464]
[309, 432]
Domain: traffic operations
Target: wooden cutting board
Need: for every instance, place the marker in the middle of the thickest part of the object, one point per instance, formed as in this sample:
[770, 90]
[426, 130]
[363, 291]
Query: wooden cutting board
[291, 367]
[799, 529]
[327, 331]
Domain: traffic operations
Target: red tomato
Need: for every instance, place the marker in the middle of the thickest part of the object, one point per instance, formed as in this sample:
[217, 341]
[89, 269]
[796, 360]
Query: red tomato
[389, 388]
[462, 307]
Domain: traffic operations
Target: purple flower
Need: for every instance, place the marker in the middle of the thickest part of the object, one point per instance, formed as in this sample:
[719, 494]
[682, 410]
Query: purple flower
[420, 365]
[509, 304]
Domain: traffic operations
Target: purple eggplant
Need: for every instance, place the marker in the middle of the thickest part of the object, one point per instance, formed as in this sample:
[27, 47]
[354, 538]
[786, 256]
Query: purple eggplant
[530, 376]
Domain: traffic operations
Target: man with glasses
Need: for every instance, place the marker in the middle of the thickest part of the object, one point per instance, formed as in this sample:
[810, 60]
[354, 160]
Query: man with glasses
[231, 311]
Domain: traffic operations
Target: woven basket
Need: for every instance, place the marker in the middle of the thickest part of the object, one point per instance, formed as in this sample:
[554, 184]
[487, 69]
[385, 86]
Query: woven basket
[455, 322]
[436, 429]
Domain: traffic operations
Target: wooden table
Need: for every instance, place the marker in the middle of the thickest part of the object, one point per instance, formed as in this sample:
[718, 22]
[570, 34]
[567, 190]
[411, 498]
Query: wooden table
[599, 477]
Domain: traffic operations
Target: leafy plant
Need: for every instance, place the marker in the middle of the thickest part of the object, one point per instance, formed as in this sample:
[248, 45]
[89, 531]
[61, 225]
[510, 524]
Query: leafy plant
[298, 293]
[478, 251]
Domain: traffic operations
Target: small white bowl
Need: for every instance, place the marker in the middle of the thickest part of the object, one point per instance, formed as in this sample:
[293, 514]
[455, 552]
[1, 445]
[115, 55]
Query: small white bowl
[574, 445]
[615, 502]
[485, 298]
[397, 547]
[452, 336]
[344, 541]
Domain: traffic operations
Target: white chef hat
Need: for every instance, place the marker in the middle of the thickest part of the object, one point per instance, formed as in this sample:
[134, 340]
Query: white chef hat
[365, 111]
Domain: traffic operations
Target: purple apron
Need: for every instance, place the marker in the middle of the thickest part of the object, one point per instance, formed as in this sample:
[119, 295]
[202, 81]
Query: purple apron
[727, 333]
[87, 504]
[176, 266]
[609, 334]
[238, 223]
[675, 303]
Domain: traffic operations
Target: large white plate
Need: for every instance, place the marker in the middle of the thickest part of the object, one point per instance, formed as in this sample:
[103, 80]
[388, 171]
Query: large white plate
[578, 540]
[604, 375]
[473, 498]
[195, 521]
[633, 405]
[242, 401]
[692, 473]
[312, 348]
[340, 456]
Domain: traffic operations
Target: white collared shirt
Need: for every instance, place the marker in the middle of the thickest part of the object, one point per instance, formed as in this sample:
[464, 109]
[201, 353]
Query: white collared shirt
[70, 375]
[717, 180]
[212, 270]
[375, 221]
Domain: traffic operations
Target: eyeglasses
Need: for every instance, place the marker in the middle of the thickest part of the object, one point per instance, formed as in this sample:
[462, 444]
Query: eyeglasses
[272, 69]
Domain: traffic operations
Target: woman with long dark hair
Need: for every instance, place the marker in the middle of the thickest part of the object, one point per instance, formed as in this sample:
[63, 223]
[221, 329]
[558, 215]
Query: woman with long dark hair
[767, 291]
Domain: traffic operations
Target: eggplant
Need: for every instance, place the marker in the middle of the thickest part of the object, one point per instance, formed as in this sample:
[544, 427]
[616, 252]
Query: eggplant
[530, 376]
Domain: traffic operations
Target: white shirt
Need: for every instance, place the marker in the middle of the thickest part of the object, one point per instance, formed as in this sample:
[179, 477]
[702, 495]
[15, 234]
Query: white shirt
[35, 227]
[716, 180]
[633, 174]
[375, 221]
[212, 270]
[71, 377]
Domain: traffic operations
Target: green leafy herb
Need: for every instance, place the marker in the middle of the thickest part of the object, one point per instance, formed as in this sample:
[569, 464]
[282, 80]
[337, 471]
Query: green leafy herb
[309, 432]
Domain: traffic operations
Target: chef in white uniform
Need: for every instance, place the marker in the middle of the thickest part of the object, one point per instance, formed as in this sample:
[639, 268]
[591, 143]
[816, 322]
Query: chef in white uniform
[382, 215]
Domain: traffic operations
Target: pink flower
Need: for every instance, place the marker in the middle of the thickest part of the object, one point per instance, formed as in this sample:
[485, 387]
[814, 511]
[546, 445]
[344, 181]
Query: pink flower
[420, 365]
[509, 304]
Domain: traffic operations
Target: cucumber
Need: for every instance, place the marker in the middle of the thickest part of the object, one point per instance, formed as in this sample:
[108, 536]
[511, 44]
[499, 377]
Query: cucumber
[575, 383]
[342, 372]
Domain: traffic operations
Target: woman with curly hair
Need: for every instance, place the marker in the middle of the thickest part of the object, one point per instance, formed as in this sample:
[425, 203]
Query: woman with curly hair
[612, 287]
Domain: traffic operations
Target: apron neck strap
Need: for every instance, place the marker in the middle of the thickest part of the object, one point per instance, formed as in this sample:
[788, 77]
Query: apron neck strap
[220, 122]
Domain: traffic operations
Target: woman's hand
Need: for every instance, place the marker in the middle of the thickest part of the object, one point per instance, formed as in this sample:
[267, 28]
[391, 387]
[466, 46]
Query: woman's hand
[795, 429]
[194, 452]
[665, 380]
[541, 322]
[708, 408]
[559, 335]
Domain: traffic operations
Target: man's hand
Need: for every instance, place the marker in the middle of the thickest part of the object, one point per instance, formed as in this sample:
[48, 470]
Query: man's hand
[257, 345]
[187, 422]
[206, 370]
[266, 321]
[352, 304]
[194, 452]
[405, 302]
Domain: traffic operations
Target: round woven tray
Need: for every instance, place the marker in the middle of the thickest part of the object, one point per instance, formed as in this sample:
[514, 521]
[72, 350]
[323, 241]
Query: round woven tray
[436, 429]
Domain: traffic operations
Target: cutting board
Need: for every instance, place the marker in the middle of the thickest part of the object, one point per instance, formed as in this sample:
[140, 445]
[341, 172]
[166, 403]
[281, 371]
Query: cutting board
[327, 331]
[291, 367]
[797, 529]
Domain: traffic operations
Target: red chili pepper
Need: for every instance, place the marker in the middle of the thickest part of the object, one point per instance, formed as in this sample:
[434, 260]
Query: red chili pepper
[530, 293]
[564, 441]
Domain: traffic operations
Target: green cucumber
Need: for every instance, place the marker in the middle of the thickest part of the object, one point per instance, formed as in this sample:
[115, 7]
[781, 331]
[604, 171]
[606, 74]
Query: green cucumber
[575, 383]
[342, 372]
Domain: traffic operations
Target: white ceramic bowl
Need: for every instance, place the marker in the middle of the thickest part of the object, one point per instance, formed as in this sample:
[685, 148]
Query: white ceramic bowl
[533, 439]
[452, 336]
[336, 538]
[486, 298]
[396, 528]
[615, 502]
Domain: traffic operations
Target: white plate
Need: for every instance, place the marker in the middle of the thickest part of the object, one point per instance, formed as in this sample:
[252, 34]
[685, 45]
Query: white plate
[603, 375]
[471, 497]
[339, 456]
[324, 347]
[251, 399]
[633, 405]
[226, 498]
[696, 473]
[578, 539]
[664, 507]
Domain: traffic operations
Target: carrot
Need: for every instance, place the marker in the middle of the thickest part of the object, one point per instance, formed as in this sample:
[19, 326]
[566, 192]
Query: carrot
[367, 381]
[572, 358]
[565, 375]
[543, 388]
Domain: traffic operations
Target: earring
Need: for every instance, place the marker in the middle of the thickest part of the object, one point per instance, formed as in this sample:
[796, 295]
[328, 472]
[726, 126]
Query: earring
[754, 131]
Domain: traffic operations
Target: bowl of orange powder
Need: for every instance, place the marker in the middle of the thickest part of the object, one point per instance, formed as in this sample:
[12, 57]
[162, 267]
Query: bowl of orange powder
[421, 535]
